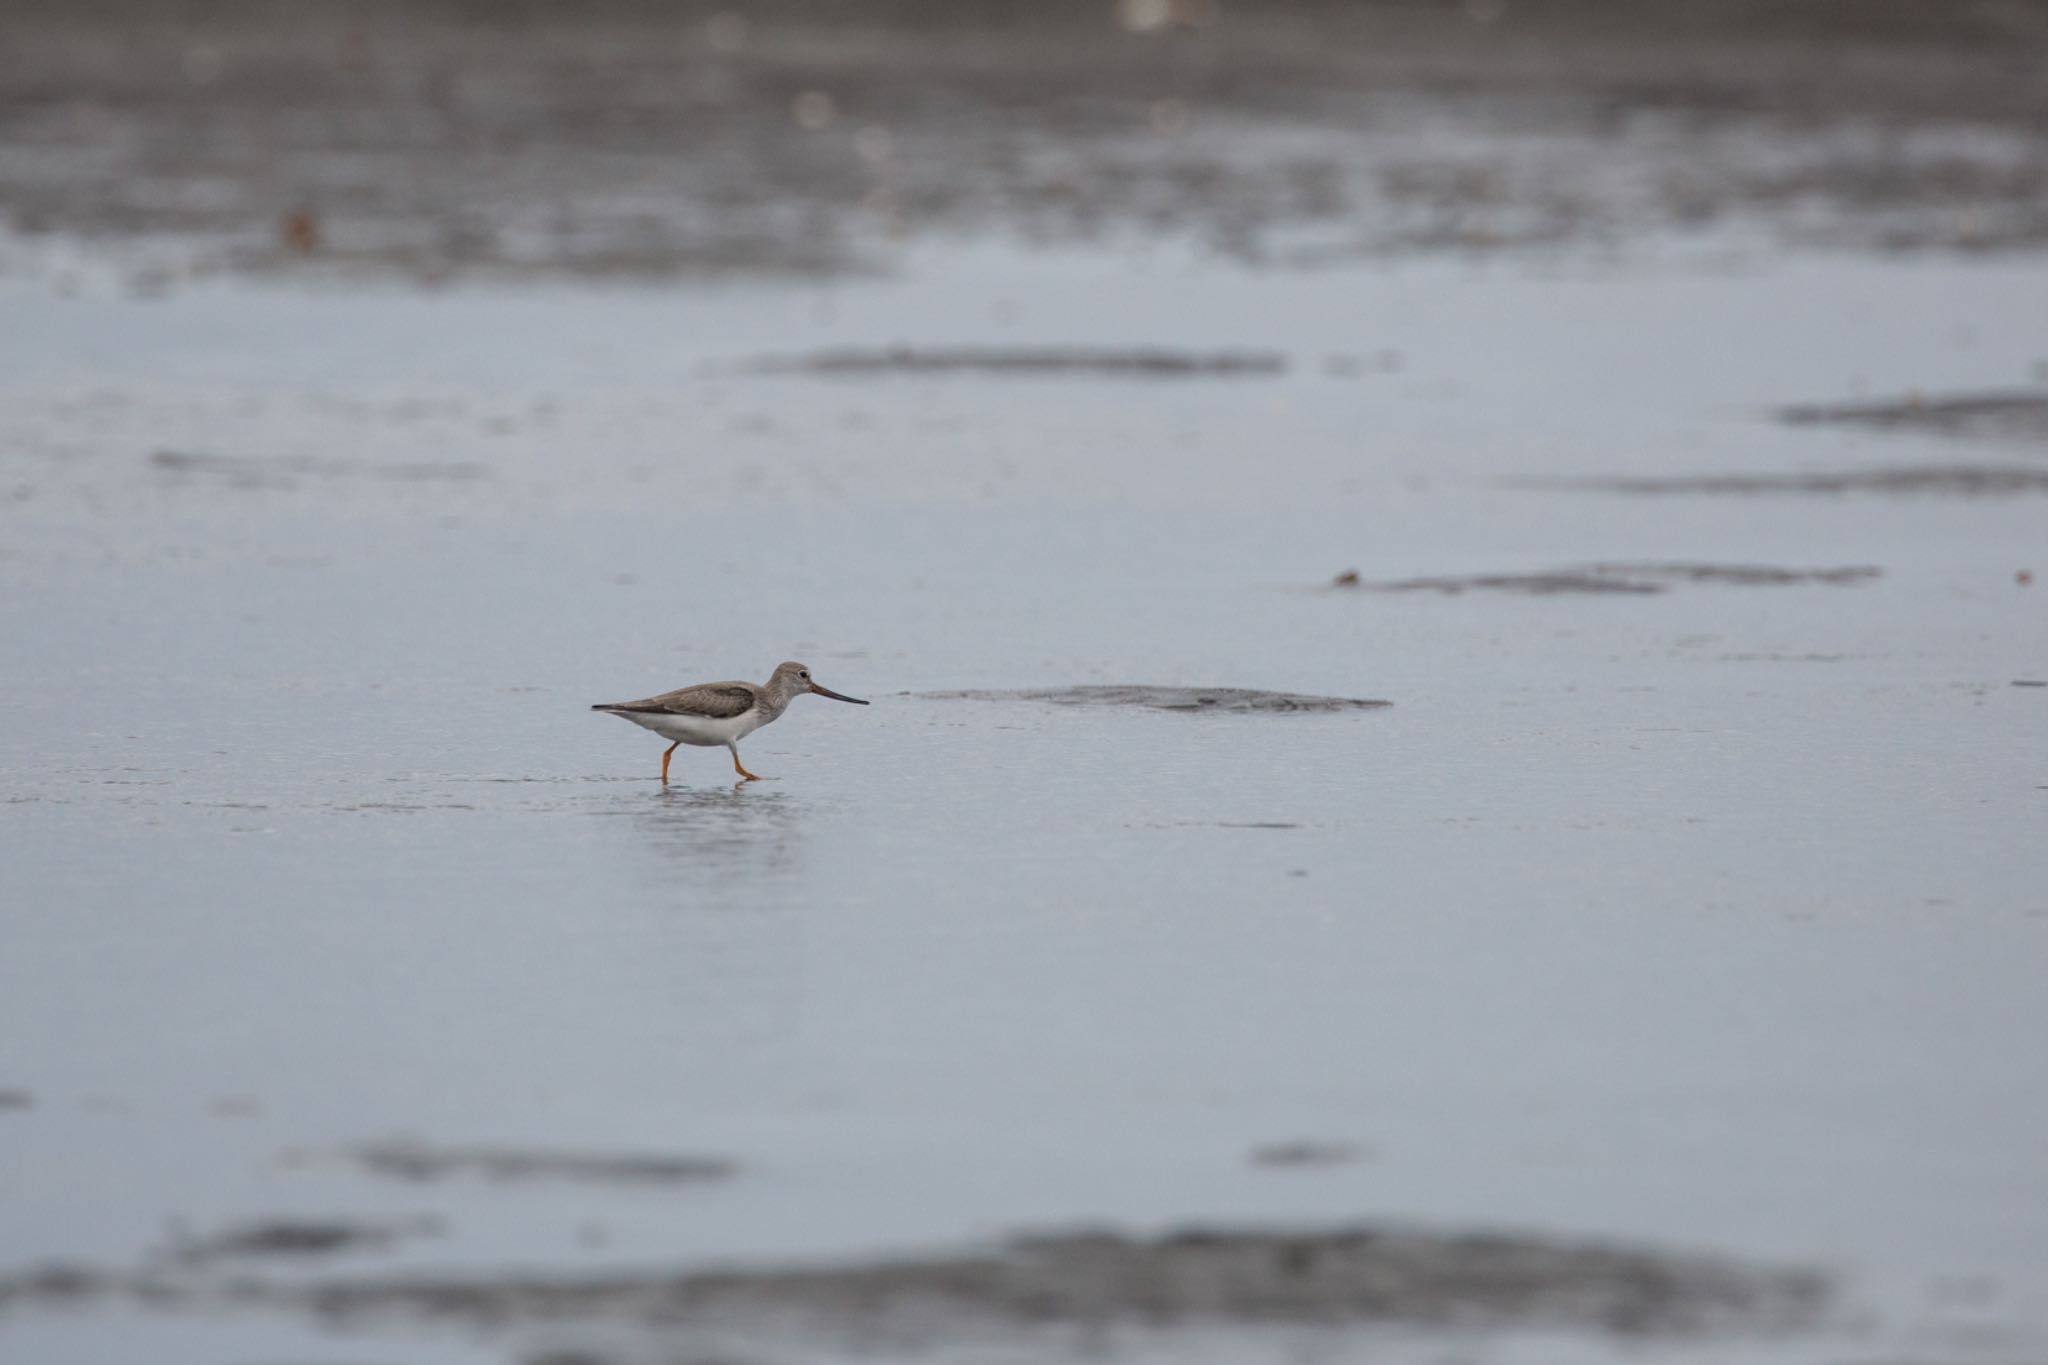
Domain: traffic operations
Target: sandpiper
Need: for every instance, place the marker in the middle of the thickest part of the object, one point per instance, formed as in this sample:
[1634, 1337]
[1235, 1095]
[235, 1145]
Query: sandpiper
[709, 714]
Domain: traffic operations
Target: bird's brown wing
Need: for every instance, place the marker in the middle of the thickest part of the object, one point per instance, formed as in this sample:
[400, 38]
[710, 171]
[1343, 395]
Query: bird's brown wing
[716, 701]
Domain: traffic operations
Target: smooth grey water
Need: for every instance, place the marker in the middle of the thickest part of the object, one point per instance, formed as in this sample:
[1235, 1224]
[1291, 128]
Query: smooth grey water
[1712, 917]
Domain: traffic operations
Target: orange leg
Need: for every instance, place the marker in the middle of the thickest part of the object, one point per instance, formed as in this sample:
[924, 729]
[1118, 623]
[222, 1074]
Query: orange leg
[664, 762]
[739, 767]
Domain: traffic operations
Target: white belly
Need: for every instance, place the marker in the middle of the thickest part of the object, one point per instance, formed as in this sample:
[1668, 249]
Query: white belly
[702, 731]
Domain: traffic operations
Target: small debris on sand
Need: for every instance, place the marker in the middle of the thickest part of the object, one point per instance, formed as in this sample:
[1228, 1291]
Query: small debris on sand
[300, 231]
[407, 1160]
[1236, 699]
[1145, 363]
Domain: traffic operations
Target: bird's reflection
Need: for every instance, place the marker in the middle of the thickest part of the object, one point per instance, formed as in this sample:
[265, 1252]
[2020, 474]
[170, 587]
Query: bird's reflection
[720, 839]
[716, 881]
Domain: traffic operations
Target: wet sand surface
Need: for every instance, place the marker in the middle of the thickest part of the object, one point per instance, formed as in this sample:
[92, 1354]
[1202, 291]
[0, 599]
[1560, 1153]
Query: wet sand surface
[1655, 978]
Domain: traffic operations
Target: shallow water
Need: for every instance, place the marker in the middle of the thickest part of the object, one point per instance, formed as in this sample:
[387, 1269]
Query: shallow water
[1712, 917]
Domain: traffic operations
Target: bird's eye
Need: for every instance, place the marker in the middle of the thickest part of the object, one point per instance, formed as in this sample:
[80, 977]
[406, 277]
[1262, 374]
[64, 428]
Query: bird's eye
[803, 675]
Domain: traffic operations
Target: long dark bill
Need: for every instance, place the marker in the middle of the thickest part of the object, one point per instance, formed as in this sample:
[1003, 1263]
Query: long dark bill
[836, 696]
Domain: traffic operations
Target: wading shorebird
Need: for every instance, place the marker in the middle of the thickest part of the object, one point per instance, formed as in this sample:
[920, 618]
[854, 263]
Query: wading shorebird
[710, 714]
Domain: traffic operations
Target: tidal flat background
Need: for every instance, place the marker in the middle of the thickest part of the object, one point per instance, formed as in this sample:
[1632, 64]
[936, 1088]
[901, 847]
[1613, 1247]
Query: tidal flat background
[1650, 402]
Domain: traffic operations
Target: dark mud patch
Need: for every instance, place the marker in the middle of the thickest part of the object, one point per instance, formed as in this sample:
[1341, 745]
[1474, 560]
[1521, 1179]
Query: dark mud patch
[296, 1239]
[418, 1161]
[1350, 1276]
[1155, 698]
[1742, 575]
[1300, 1156]
[1776, 657]
[2019, 415]
[1530, 584]
[1030, 362]
[282, 471]
[1597, 579]
[16, 1099]
[58, 1285]
[1950, 481]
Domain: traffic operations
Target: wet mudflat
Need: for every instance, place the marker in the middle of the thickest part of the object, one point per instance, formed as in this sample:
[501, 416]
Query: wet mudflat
[1703, 920]
[1655, 978]
[631, 139]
